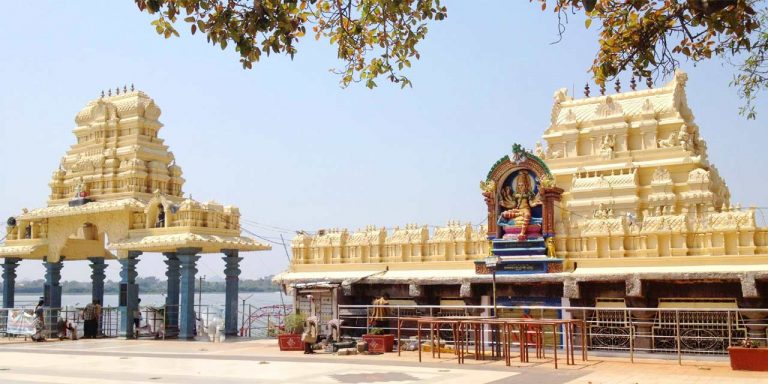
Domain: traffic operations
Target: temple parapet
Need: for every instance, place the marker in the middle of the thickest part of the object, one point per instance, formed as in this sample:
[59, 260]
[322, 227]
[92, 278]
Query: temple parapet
[412, 243]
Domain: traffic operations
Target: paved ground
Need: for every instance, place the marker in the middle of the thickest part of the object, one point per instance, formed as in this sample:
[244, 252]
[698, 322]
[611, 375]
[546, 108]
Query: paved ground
[147, 361]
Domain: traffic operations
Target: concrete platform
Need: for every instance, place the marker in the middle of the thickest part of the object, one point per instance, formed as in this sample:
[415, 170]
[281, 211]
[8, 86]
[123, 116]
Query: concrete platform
[259, 361]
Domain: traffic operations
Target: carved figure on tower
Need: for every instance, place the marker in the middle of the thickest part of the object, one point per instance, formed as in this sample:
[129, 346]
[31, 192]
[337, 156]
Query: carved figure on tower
[517, 200]
[520, 192]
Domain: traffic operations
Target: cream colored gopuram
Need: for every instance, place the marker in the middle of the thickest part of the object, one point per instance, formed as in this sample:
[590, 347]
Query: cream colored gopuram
[118, 193]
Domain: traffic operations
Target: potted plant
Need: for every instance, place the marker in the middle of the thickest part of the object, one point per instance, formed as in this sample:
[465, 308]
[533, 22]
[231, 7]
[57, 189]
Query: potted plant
[748, 356]
[289, 339]
[378, 341]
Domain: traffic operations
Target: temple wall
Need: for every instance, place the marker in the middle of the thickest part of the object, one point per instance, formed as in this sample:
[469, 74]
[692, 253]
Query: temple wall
[411, 244]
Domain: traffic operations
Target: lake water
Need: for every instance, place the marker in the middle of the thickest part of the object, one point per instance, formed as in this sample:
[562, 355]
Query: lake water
[256, 299]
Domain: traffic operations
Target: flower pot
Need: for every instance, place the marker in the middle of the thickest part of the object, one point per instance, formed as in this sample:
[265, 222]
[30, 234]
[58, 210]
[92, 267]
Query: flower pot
[379, 343]
[748, 359]
[290, 342]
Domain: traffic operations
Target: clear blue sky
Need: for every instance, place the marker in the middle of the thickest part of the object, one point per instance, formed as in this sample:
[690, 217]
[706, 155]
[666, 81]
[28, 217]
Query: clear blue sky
[292, 149]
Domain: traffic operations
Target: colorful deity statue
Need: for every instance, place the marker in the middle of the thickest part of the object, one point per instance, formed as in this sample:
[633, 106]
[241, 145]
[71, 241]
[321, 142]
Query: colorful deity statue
[517, 201]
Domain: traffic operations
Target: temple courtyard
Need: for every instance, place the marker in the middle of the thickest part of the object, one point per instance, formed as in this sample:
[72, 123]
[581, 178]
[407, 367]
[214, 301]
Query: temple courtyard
[147, 361]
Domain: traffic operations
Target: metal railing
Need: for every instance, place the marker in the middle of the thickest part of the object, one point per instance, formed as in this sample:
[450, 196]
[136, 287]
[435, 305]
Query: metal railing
[680, 331]
[153, 321]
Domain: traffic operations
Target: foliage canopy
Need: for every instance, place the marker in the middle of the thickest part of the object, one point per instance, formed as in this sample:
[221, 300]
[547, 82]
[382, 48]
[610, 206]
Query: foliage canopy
[379, 38]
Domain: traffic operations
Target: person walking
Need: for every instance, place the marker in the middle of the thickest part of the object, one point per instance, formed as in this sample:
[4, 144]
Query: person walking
[39, 322]
[90, 322]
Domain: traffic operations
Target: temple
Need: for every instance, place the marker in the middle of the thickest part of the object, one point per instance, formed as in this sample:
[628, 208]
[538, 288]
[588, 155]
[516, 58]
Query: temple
[620, 208]
[117, 194]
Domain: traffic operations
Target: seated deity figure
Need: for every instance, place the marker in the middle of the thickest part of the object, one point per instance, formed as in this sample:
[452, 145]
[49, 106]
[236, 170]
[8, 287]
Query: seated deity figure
[516, 203]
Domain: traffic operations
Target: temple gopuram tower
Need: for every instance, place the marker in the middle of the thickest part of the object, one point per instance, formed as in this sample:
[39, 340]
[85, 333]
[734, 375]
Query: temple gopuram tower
[118, 193]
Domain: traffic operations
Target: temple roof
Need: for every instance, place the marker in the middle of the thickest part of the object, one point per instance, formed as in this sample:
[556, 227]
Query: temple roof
[169, 242]
[120, 184]
[667, 101]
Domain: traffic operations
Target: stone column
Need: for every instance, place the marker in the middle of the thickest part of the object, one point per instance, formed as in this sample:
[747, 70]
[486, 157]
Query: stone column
[9, 280]
[97, 285]
[172, 298]
[129, 293]
[97, 278]
[187, 258]
[232, 273]
[52, 291]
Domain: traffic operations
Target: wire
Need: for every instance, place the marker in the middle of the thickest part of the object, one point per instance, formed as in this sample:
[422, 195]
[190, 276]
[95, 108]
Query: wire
[259, 236]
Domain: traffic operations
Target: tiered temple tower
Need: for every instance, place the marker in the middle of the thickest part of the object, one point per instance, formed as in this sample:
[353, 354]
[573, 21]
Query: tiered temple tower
[116, 194]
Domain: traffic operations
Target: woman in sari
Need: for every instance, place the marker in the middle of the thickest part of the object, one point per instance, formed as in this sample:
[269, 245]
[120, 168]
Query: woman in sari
[39, 322]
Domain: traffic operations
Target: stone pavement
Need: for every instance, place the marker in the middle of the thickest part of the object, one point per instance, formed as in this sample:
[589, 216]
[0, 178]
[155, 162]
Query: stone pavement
[112, 361]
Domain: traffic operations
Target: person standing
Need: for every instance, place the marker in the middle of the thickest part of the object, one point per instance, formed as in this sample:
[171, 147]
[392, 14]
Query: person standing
[39, 322]
[309, 337]
[90, 320]
[97, 305]
[137, 318]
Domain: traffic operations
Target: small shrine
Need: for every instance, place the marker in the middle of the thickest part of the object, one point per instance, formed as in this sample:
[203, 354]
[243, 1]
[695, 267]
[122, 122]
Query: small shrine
[520, 194]
[117, 194]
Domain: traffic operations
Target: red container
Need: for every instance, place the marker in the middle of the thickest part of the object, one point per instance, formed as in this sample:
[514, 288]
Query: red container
[748, 359]
[379, 343]
[290, 342]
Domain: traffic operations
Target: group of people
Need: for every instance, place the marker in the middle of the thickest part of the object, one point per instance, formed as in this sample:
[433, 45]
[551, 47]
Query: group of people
[65, 328]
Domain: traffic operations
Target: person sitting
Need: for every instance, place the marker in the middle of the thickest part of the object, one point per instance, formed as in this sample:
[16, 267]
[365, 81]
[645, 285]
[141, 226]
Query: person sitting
[63, 326]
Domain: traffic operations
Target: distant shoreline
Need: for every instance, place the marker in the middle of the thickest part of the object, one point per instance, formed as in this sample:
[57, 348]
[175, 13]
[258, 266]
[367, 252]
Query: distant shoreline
[149, 285]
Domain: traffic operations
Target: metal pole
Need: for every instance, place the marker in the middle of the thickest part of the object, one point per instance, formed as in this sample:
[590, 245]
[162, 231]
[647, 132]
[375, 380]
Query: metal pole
[631, 340]
[677, 334]
[494, 293]
[242, 329]
[200, 294]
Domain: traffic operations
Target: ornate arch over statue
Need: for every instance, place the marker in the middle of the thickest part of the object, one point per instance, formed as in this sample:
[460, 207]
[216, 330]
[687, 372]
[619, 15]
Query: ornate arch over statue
[520, 193]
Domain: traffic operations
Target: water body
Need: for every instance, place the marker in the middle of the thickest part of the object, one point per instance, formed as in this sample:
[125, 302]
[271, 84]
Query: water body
[255, 299]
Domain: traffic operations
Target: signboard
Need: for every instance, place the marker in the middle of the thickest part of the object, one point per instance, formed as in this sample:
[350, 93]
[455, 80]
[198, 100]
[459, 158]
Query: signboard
[522, 267]
[20, 322]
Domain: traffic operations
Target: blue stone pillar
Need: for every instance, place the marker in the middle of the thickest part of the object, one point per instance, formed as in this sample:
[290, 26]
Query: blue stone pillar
[129, 293]
[187, 258]
[9, 280]
[232, 272]
[97, 285]
[97, 278]
[52, 291]
[172, 298]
